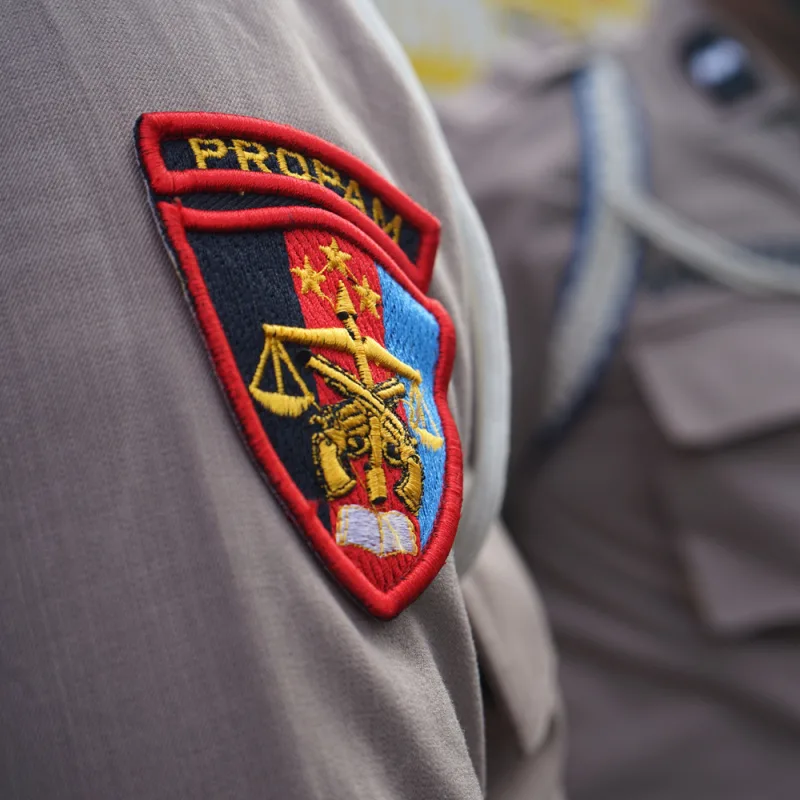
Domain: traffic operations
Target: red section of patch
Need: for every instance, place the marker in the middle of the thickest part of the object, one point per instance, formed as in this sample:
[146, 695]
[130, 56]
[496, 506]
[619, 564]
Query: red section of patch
[385, 589]
[156, 127]
[319, 312]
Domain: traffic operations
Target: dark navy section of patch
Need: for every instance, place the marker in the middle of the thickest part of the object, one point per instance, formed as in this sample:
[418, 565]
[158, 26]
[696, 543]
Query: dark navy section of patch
[233, 201]
[248, 280]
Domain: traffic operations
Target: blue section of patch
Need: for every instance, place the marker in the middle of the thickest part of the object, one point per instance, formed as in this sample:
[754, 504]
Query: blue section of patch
[411, 334]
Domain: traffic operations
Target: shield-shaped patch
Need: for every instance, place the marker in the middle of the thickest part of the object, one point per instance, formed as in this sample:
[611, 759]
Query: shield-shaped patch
[306, 272]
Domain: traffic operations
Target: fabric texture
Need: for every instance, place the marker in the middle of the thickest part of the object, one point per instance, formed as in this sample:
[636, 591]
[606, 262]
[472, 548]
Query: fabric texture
[165, 632]
[662, 530]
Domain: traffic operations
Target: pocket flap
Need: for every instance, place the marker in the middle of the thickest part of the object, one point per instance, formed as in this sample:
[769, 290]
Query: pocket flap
[736, 593]
[513, 639]
[729, 379]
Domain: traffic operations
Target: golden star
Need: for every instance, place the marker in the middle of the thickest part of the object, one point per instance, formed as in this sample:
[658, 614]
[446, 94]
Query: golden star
[337, 259]
[310, 277]
[369, 298]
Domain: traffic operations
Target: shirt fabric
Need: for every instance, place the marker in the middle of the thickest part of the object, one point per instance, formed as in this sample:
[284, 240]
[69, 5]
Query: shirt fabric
[662, 527]
[165, 632]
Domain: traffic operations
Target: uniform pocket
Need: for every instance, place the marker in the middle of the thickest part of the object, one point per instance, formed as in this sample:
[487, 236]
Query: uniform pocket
[724, 390]
[513, 639]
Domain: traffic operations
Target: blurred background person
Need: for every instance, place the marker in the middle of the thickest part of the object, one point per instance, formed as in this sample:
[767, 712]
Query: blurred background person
[452, 43]
[644, 207]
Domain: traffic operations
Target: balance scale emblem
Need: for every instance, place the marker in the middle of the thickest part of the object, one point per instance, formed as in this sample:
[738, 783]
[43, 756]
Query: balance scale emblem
[365, 425]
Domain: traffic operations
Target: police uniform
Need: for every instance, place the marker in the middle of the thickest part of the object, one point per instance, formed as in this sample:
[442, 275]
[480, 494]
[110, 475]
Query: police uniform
[192, 602]
[644, 207]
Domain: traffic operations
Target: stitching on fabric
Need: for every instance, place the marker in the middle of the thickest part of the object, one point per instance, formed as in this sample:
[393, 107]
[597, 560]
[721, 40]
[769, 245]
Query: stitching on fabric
[372, 420]
[283, 157]
[177, 220]
[155, 128]
[392, 227]
[247, 152]
[204, 149]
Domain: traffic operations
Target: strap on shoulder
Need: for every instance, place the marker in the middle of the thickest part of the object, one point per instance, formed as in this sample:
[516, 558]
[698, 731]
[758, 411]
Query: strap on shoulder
[596, 293]
[618, 214]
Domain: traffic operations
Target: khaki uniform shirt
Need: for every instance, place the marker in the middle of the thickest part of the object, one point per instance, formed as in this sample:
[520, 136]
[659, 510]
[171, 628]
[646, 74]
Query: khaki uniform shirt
[663, 526]
[164, 632]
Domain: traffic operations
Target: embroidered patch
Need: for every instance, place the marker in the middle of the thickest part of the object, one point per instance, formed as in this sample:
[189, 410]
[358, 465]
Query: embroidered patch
[304, 269]
[203, 155]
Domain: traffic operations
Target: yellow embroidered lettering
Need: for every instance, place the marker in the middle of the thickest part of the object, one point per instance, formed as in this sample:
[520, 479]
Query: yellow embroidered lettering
[247, 152]
[283, 162]
[204, 149]
[327, 176]
[353, 196]
[392, 227]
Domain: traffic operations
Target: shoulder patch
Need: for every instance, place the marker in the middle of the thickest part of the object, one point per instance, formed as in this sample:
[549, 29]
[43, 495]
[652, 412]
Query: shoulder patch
[305, 270]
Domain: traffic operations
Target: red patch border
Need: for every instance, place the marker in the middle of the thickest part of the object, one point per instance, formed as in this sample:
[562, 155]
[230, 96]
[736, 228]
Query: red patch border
[159, 126]
[177, 219]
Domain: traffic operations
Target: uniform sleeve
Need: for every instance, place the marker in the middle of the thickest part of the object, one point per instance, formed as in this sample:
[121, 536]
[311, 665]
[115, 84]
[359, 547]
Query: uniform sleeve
[166, 633]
